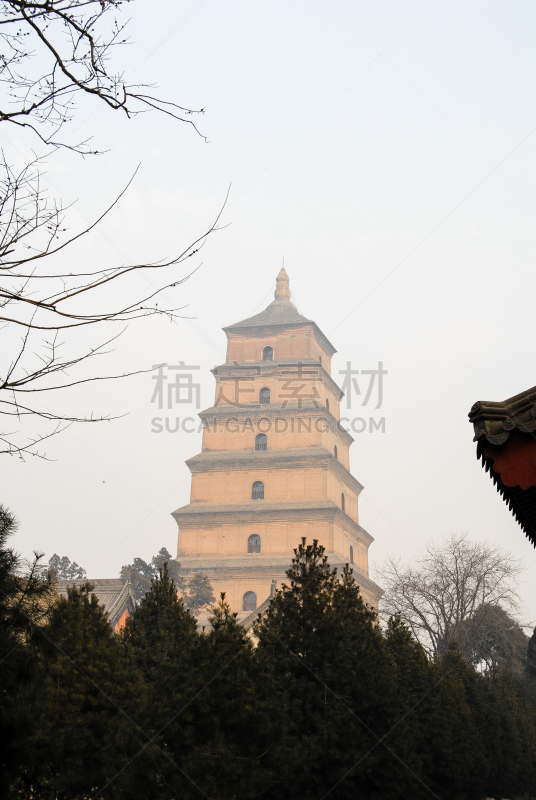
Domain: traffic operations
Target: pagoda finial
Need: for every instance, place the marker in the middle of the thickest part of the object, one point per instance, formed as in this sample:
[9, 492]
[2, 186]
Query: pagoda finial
[282, 291]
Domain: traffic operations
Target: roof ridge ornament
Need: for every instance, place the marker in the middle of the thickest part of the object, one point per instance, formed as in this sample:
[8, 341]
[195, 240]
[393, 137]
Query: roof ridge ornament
[282, 289]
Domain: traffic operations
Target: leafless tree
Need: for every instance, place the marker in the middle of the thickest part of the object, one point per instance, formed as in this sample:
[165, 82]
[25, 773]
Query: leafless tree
[53, 52]
[56, 50]
[450, 584]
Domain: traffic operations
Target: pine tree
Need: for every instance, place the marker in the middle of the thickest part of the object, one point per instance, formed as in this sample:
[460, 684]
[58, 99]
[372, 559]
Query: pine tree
[510, 734]
[86, 728]
[24, 600]
[530, 662]
[162, 641]
[455, 759]
[235, 721]
[412, 674]
[324, 654]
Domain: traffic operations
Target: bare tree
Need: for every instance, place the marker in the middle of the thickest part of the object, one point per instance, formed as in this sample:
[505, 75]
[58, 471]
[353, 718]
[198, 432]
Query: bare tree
[56, 50]
[53, 52]
[450, 584]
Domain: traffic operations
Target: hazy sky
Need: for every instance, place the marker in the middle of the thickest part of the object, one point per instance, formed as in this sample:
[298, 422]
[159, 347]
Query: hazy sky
[386, 151]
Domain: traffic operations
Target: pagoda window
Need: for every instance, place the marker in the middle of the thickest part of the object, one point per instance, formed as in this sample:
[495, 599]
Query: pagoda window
[264, 396]
[327, 403]
[335, 452]
[351, 554]
[261, 442]
[343, 502]
[320, 359]
[257, 491]
[268, 354]
[254, 543]
[249, 601]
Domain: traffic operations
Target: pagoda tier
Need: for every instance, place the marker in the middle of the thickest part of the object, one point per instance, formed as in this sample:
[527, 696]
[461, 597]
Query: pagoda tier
[274, 465]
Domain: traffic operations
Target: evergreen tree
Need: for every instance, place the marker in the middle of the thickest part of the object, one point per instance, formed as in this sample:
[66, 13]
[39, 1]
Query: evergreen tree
[412, 674]
[530, 663]
[199, 593]
[324, 654]
[455, 756]
[164, 557]
[24, 599]
[162, 638]
[236, 719]
[65, 568]
[86, 727]
[162, 641]
[140, 573]
[510, 734]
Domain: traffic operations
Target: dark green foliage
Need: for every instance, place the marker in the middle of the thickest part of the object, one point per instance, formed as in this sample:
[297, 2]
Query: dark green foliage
[23, 606]
[318, 703]
[86, 727]
[530, 663]
[324, 654]
[454, 730]
[235, 718]
[161, 638]
[510, 733]
[413, 677]
[162, 641]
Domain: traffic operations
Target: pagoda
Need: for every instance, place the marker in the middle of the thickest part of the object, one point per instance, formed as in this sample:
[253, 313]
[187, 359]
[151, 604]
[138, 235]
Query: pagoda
[274, 465]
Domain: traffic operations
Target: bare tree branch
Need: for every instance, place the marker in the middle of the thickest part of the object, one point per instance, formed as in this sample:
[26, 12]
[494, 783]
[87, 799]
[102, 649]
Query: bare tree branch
[448, 585]
[53, 53]
[76, 41]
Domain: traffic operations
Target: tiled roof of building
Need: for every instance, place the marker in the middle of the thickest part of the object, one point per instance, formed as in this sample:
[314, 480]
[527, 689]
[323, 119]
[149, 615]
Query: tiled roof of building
[257, 507]
[280, 312]
[505, 433]
[494, 421]
[114, 594]
[307, 456]
[259, 510]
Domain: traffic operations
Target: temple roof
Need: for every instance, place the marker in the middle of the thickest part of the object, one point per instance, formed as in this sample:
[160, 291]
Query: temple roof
[114, 594]
[505, 433]
[280, 312]
[277, 313]
[496, 420]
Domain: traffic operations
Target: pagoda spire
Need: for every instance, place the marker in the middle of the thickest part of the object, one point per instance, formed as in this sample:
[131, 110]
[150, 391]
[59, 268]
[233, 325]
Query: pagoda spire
[282, 290]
